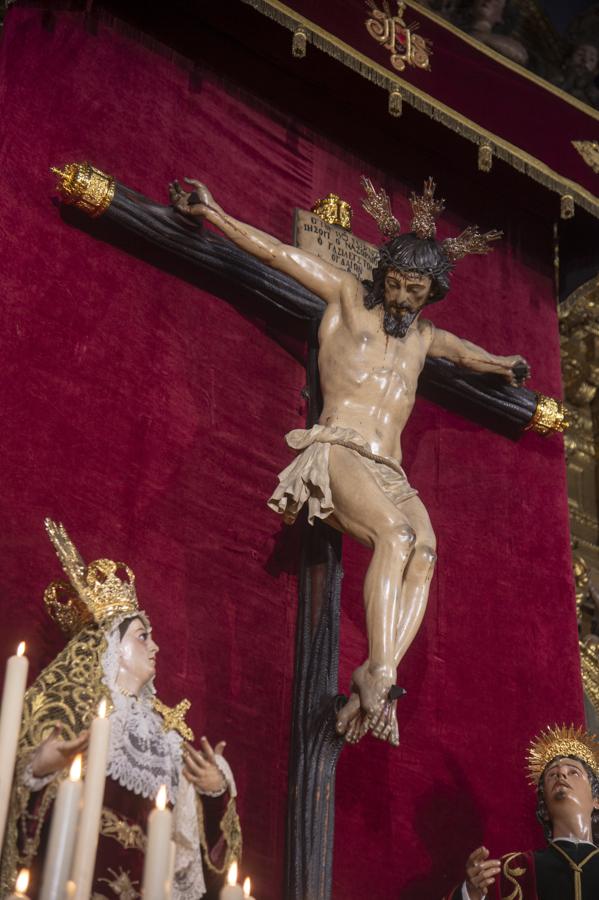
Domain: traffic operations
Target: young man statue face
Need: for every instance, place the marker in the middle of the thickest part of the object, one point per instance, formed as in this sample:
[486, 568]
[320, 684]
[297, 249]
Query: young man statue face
[568, 793]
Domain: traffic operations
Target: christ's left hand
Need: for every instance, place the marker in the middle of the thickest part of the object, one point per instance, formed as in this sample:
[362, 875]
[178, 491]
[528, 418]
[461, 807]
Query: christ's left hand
[519, 370]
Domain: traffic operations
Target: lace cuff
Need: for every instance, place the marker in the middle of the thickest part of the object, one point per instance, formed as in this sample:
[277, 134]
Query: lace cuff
[229, 785]
[31, 781]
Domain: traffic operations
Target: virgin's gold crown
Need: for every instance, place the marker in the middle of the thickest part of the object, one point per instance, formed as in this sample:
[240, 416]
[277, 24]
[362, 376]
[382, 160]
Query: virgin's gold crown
[98, 592]
[556, 742]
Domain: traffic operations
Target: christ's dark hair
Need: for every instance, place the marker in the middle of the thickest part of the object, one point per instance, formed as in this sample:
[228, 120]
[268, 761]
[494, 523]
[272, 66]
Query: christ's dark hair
[409, 253]
[542, 812]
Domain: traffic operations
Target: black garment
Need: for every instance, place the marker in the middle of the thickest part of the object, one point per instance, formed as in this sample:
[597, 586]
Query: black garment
[555, 878]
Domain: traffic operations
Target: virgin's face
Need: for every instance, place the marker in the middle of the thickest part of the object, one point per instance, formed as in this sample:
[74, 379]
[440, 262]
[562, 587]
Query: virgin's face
[137, 653]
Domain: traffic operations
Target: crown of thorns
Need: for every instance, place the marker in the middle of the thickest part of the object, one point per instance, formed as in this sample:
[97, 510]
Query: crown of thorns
[425, 211]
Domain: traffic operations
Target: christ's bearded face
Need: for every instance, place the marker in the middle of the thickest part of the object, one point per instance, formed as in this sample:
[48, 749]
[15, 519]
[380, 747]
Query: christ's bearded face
[405, 295]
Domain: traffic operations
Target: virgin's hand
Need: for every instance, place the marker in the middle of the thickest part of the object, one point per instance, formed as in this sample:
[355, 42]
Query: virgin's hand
[481, 872]
[200, 768]
[54, 754]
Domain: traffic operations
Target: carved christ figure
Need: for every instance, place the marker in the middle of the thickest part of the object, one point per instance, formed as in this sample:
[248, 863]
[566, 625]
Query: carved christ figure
[373, 343]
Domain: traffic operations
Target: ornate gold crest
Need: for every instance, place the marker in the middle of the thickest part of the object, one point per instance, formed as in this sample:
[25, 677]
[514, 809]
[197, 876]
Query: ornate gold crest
[334, 210]
[391, 31]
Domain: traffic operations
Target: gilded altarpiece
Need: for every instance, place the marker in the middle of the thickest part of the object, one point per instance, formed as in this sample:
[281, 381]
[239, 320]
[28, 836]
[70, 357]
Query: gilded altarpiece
[579, 327]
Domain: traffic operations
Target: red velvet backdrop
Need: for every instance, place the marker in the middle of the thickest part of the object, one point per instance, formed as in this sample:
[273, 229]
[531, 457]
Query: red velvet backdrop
[148, 415]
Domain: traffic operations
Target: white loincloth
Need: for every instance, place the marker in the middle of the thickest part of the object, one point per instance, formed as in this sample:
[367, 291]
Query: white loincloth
[306, 479]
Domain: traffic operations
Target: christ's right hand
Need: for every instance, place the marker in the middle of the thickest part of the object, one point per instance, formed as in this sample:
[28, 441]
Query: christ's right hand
[194, 203]
[481, 872]
[53, 755]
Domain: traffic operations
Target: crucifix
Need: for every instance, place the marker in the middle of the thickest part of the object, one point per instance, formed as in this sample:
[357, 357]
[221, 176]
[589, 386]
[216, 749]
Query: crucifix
[373, 345]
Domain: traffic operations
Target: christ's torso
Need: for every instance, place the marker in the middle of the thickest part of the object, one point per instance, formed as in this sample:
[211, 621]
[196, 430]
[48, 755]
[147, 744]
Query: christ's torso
[369, 378]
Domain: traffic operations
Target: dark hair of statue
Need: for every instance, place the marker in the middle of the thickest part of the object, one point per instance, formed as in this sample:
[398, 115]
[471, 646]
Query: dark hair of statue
[124, 625]
[542, 812]
[409, 253]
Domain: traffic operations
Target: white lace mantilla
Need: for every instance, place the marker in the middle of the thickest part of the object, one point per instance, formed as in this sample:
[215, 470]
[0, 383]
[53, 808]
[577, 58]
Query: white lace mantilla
[142, 755]
[188, 881]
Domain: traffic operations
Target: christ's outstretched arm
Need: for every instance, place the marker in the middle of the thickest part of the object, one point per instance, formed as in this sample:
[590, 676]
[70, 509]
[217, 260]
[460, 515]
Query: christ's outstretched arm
[324, 279]
[514, 369]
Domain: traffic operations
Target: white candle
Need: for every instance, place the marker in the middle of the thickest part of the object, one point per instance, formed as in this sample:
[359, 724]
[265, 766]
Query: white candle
[65, 817]
[21, 886]
[171, 870]
[84, 860]
[231, 891]
[247, 890]
[11, 712]
[158, 850]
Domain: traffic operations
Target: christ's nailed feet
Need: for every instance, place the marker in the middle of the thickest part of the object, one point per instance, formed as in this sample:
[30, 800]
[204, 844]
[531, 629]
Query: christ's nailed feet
[369, 707]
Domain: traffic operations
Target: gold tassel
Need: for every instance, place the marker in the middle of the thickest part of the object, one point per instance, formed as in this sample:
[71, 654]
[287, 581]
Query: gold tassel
[566, 206]
[395, 103]
[485, 157]
[298, 44]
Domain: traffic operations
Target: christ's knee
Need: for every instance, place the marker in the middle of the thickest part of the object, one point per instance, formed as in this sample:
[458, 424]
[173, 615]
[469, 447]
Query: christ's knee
[399, 541]
[424, 557]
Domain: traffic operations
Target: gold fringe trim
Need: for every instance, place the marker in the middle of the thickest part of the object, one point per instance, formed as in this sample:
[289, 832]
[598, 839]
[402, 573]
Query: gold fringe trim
[424, 103]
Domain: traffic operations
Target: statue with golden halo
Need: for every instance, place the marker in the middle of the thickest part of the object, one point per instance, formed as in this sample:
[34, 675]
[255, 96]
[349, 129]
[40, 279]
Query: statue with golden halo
[373, 346]
[111, 654]
[563, 765]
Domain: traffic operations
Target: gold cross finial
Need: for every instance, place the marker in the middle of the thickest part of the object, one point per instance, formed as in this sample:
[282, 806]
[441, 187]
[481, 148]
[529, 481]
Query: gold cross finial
[174, 717]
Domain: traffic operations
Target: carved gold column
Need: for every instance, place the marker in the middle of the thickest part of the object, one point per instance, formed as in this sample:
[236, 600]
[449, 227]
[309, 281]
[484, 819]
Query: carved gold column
[579, 328]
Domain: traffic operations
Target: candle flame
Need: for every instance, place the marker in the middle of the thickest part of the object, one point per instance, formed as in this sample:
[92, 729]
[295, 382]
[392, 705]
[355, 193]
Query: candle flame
[22, 881]
[232, 873]
[161, 797]
[70, 890]
[20, 652]
[75, 771]
[247, 887]
[102, 708]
